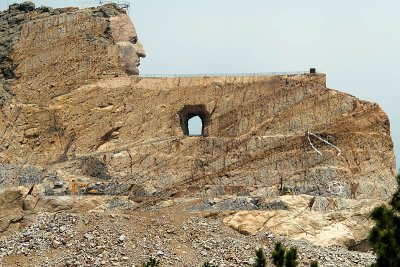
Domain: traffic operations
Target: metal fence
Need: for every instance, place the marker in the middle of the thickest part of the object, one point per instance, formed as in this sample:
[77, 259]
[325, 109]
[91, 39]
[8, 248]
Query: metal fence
[222, 74]
[121, 4]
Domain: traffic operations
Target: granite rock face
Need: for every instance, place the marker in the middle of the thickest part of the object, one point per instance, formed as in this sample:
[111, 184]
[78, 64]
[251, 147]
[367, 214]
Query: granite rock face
[73, 114]
[261, 131]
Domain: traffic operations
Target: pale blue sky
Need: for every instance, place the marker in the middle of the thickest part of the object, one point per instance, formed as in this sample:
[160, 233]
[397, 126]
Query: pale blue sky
[356, 43]
[195, 126]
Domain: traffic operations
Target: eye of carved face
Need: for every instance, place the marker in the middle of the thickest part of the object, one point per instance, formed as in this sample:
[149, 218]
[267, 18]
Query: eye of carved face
[133, 39]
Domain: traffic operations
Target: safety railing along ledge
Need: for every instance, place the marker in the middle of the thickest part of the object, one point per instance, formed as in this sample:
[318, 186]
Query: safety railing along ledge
[312, 71]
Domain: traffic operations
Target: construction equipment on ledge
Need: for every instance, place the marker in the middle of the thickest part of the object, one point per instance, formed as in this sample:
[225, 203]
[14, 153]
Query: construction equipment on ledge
[121, 4]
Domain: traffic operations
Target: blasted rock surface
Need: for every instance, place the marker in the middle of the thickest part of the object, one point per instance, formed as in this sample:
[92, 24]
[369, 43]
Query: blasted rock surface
[256, 131]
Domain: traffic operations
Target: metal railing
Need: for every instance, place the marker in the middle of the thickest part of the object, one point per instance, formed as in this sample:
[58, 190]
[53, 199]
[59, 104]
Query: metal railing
[121, 4]
[146, 75]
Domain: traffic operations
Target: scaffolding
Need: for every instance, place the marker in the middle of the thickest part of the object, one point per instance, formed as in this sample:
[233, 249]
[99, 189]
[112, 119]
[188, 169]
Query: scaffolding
[121, 4]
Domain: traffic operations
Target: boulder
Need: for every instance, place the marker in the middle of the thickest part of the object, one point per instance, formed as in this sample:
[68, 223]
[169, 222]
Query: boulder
[11, 205]
[345, 226]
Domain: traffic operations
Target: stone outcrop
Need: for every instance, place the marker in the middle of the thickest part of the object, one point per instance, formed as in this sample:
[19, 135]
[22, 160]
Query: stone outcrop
[15, 205]
[330, 222]
[76, 116]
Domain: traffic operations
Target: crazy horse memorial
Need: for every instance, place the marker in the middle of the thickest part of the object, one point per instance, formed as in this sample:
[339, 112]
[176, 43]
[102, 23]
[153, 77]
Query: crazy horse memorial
[97, 159]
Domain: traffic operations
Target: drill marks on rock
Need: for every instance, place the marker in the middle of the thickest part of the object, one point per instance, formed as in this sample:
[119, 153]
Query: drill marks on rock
[248, 161]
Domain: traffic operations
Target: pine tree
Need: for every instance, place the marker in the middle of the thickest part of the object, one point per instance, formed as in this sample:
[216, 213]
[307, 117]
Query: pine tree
[261, 261]
[291, 258]
[152, 262]
[385, 235]
[278, 255]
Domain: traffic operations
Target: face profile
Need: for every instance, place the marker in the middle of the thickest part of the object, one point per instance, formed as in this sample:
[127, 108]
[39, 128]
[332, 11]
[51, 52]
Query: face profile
[59, 51]
[129, 48]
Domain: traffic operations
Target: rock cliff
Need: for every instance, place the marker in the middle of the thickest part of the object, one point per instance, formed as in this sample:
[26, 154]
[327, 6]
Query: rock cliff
[76, 119]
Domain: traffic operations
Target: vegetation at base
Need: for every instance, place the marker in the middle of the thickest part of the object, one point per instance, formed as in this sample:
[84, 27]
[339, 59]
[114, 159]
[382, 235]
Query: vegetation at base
[152, 262]
[287, 258]
[280, 258]
[278, 255]
[291, 258]
[385, 235]
[261, 261]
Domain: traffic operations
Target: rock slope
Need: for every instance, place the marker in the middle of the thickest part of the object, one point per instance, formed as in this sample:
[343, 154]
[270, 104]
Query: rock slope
[176, 238]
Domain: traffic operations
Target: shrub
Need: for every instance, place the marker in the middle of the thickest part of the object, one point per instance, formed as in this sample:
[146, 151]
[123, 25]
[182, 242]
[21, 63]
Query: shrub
[283, 258]
[291, 258]
[278, 255]
[314, 264]
[261, 261]
[385, 235]
[152, 262]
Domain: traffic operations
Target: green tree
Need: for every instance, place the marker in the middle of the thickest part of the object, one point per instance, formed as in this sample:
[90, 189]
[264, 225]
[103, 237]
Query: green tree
[385, 235]
[261, 261]
[207, 264]
[291, 258]
[283, 258]
[278, 255]
[152, 262]
[314, 264]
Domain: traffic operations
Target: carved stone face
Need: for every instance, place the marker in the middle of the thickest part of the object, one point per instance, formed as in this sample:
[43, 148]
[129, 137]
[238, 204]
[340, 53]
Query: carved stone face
[129, 48]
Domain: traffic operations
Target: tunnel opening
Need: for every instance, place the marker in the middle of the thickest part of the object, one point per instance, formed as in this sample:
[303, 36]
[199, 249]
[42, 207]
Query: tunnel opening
[194, 120]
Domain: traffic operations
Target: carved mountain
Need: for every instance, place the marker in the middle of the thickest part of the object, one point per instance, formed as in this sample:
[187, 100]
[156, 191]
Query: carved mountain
[77, 119]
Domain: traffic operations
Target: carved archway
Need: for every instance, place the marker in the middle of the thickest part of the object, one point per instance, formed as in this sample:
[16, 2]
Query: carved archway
[190, 111]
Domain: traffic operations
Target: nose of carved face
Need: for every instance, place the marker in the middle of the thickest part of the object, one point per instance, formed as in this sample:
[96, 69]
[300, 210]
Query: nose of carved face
[139, 52]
